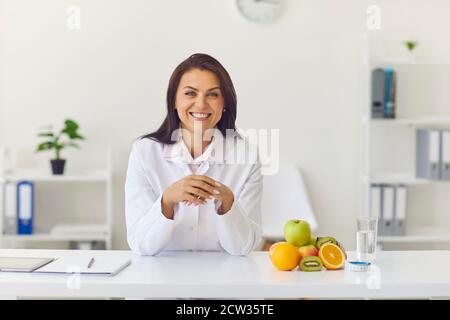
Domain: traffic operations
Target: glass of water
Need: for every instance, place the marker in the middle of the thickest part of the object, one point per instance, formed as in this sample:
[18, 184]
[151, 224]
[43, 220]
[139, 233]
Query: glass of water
[366, 238]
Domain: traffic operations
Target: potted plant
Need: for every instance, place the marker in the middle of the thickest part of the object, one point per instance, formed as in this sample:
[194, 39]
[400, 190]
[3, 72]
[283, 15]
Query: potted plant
[58, 141]
[411, 45]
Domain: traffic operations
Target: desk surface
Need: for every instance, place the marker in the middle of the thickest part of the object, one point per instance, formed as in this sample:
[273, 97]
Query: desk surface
[397, 274]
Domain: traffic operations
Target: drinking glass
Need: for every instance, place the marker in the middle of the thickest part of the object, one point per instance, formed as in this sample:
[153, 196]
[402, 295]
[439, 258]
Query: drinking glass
[366, 238]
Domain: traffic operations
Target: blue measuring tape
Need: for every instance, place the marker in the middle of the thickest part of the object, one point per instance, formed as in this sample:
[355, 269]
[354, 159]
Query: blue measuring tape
[359, 266]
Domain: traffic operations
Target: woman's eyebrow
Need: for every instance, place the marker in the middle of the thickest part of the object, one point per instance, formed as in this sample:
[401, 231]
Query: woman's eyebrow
[189, 87]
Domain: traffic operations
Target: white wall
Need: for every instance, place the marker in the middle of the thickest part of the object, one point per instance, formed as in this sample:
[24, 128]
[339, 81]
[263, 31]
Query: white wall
[300, 74]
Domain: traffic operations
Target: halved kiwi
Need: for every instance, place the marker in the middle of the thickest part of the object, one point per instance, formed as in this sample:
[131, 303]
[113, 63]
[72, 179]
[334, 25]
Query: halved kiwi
[311, 263]
[322, 240]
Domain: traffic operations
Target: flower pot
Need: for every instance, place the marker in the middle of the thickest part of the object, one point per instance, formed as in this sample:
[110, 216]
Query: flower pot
[58, 166]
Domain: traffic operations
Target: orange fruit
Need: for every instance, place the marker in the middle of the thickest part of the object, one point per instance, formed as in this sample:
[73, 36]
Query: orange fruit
[285, 256]
[332, 256]
[273, 247]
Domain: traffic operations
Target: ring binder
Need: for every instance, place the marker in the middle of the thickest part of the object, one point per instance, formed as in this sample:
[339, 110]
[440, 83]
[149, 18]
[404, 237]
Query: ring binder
[25, 207]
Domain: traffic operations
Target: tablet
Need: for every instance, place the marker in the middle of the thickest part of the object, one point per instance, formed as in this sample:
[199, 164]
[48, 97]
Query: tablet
[22, 264]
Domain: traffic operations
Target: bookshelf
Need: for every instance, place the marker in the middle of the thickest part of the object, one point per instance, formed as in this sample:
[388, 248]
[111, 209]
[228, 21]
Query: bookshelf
[401, 61]
[52, 227]
[418, 122]
[419, 234]
[388, 145]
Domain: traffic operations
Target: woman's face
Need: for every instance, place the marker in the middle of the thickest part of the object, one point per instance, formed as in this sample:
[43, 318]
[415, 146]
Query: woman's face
[199, 100]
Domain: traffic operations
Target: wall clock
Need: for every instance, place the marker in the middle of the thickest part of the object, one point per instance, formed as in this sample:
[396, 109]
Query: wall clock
[260, 11]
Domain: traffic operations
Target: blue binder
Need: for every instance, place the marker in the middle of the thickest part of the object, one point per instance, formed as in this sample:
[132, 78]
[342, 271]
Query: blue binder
[25, 207]
[388, 103]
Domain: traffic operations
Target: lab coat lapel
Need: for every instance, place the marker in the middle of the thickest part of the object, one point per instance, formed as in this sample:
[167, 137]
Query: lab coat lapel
[179, 153]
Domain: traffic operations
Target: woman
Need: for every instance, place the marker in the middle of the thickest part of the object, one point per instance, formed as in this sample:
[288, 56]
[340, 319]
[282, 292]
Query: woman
[185, 189]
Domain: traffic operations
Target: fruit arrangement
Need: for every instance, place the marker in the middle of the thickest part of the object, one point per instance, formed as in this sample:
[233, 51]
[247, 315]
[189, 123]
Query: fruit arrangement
[305, 251]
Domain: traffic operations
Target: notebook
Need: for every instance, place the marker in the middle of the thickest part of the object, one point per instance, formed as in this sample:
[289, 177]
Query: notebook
[102, 265]
[23, 264]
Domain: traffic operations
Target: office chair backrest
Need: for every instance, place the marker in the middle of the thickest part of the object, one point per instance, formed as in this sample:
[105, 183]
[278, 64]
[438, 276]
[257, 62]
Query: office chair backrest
[284, 198]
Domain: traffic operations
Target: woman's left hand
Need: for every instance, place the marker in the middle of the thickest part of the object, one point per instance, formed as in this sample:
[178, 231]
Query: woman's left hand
[224, 195]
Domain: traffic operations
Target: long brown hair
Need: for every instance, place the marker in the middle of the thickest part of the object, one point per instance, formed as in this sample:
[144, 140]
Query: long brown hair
[172, 121]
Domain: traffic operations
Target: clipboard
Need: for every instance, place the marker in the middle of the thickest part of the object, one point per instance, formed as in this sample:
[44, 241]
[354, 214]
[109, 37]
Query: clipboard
[102, 266]
[23, 264]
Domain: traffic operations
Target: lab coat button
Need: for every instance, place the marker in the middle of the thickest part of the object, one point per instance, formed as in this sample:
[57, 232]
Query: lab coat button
[191, 228]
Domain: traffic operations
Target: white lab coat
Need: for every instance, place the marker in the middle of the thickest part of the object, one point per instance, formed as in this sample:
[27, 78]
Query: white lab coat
[154, 166]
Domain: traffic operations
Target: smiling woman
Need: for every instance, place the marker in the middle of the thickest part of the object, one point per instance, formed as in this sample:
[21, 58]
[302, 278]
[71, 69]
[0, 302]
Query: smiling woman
[184, 189]
[197, 73]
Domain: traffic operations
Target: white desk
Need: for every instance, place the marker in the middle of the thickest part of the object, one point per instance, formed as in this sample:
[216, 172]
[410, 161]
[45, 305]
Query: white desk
[407, 274]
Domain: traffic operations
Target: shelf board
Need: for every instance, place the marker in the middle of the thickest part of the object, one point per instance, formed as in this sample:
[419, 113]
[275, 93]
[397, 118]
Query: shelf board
[416, 122]
[419, 234]
[384, 61]
[55, 237]
[38, 176]
[397, 178]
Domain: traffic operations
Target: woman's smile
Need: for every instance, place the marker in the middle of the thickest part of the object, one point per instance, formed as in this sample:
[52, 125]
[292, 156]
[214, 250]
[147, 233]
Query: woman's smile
[200, 116]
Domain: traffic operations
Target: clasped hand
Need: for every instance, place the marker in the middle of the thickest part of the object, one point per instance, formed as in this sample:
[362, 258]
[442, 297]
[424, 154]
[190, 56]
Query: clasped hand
[197, 189]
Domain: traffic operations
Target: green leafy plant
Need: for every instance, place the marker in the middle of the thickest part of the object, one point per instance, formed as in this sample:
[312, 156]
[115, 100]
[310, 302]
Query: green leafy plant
[411, 45]
[60, 140]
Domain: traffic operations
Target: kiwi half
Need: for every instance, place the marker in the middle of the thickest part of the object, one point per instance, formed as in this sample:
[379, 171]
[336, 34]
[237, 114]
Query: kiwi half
[321, 241]
[311, 263]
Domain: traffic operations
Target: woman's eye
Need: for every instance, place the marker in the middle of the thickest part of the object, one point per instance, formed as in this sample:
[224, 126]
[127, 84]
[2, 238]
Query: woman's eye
[214, 94]
[190, 93]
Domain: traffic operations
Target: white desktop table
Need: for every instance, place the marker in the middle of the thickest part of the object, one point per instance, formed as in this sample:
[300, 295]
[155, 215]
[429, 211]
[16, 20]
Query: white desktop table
[397, 274]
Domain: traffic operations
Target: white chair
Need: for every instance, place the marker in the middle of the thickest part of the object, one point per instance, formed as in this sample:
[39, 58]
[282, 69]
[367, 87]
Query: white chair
[284, 198]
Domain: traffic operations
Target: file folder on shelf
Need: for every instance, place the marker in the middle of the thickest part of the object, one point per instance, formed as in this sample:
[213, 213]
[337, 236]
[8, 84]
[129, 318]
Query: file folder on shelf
[428, 162]
[376, 204]
[399, 226]
[375, 200]
[2, 199]
[389, 103]
[388, 209]
[25, 207]
[10, 207]
[445, 163]
[378, 93]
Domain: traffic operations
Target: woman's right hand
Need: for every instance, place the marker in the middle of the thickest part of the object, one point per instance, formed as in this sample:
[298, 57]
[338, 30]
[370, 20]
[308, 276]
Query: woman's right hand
[193, 189]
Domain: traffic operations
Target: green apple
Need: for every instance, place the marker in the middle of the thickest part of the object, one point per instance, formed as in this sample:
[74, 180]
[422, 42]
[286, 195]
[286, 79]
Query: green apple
[297, 232]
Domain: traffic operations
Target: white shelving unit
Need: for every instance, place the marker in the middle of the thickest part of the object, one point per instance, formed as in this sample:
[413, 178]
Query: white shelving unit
[403, 135]
[420, 234]
[419, 122]
[82, 232]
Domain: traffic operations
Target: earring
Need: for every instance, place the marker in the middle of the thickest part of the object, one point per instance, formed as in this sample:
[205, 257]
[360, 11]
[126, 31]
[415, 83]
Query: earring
[224, 110]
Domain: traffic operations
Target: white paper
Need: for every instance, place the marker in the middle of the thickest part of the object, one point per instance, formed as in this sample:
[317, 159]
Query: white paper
[102, 265]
